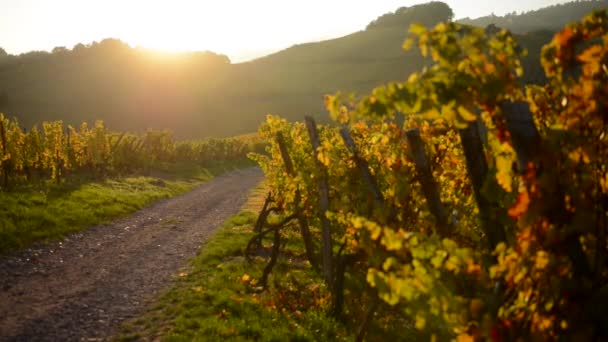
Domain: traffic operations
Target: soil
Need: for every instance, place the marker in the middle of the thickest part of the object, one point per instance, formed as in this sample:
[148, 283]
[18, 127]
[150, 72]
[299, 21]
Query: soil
[83, 287]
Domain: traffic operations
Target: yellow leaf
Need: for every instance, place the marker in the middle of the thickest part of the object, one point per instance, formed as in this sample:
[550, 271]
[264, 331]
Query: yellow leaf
[465, 338]
[579, 155]
[420, 322]
[466, 114]
[408, 44]
[374, 230]
[452, 263]
[392, 240]
[503, 173]
[604, 183]
[371, 277]
[448, 112]
[417, 28]
[388, 263]
[245, 278]
[542, 260]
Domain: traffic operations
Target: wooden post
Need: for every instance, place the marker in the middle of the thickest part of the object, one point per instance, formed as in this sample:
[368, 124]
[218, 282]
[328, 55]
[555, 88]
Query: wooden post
[425, 177]
[363, 167]
[326, 242]
[478, 171]
[524, 135]
[527, 143]
[305, 231]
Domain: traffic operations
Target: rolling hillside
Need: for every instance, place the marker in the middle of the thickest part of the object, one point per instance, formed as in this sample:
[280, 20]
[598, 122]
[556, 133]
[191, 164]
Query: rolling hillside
[203, 94]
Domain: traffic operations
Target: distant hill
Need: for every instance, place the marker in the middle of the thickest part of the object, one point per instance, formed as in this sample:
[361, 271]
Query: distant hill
[203, 94]
[551, 18]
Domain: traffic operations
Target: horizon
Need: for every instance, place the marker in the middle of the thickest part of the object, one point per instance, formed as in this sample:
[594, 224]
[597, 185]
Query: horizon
[176, 27]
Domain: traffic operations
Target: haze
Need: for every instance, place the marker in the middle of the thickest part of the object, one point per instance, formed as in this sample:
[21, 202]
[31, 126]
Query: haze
[242, 30]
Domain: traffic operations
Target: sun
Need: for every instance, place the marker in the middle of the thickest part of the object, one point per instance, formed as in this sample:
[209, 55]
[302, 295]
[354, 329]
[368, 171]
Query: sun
[232, 28]
[178, 27]
[166, 43]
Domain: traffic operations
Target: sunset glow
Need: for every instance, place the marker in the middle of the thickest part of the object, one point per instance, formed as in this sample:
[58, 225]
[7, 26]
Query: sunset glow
[239, 29]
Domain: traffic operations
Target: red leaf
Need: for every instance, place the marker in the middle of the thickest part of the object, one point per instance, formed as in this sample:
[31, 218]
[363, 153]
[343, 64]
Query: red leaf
[521, 205]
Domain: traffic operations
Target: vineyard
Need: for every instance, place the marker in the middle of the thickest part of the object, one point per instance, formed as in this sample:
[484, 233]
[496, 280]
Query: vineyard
[57, 151]
[458, 203]
[61, 179]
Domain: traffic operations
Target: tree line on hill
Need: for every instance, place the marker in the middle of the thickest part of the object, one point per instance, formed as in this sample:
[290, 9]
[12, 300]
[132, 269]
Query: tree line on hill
[203, 94]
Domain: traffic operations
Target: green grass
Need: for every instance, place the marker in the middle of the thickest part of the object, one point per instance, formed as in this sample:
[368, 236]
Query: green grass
[46, 211]
[217, 296]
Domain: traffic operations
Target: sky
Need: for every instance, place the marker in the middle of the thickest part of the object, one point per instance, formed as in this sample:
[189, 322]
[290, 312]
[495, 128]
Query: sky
[240, 29]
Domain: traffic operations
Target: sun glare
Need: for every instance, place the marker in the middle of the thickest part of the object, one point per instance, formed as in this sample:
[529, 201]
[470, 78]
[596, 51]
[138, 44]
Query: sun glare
[174, 28]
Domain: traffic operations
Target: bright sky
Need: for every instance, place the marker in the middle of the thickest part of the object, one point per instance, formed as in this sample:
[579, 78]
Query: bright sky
[241, 29]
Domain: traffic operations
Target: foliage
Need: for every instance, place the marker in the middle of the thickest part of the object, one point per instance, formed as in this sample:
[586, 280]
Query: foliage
[58, 151]
[546, 278]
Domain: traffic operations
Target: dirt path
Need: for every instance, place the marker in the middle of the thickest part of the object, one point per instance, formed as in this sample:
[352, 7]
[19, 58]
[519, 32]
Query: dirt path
[83, 287]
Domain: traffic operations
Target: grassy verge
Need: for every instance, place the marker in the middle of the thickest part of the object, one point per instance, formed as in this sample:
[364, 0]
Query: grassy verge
[217, 297]
[45, 211]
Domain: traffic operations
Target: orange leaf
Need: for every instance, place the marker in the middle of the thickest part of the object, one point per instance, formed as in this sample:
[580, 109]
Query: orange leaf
[520, 206]
[591, 54]
[562, 37]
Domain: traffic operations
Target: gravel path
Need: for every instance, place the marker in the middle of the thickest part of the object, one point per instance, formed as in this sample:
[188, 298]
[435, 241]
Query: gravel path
[84, 287]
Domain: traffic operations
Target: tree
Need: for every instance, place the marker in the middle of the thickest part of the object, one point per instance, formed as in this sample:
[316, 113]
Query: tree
[60, 50]
[427, 14]
[78, 48]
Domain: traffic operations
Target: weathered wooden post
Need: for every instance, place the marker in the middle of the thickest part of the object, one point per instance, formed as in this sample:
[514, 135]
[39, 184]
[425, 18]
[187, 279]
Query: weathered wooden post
[363, 166]
[345, 260]
[527, 145]
[523, 132]
[478, 171]
[425, 177]
[304, 230]
[326, 242]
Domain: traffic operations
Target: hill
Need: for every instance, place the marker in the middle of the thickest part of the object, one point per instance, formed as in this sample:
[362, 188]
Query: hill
[550, 18]
[203, 94]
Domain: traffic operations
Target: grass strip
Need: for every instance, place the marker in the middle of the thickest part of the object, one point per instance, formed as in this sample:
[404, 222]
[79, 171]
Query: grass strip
[44, 211]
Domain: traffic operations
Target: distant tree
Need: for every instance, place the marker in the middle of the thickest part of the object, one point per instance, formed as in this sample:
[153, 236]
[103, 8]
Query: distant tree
[60, 50]
[3, 53]
[552, 17]
[113, 44]
[427, 14]
[492, 29]
[33, 55]
[79, 47]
